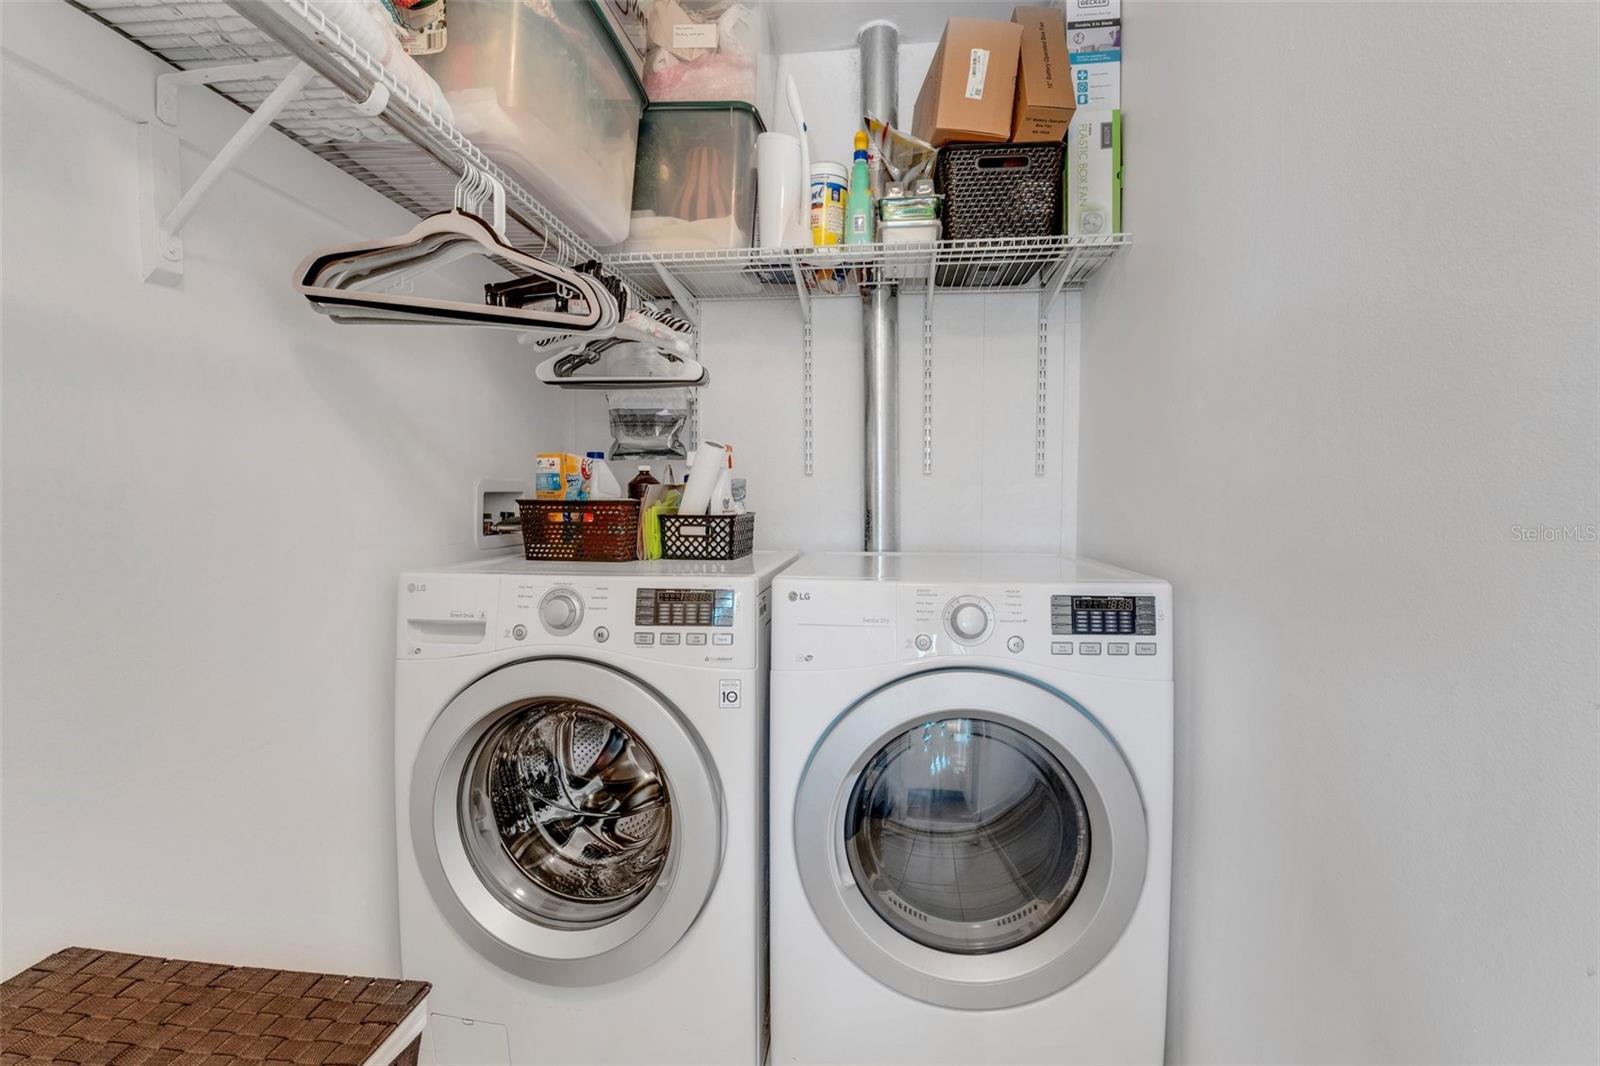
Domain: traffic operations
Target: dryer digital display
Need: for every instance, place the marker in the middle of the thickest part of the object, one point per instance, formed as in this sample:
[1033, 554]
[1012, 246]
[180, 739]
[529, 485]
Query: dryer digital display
[1072, 616]
[683, 607]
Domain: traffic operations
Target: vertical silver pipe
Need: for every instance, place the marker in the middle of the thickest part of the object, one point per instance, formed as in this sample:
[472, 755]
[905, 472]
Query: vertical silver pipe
[879, 44]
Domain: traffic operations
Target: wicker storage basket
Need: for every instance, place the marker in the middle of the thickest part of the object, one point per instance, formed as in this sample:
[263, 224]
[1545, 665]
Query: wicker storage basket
[1000, 190]
[596, 531]
[716, 536]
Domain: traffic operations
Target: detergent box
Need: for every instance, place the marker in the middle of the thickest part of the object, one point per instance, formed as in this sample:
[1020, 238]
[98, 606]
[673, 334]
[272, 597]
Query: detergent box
[1094, 41]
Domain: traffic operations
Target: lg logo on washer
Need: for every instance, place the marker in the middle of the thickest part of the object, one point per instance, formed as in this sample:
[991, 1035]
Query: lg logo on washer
[796, 597]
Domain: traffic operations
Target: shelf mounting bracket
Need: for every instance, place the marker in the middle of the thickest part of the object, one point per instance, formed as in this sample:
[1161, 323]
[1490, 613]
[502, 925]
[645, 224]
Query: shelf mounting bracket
[927, 363]
[802, 295]
[164, 206]
[688, 306]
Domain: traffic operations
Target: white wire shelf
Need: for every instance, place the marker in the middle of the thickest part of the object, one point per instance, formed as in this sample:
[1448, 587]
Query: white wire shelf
[1020, 264]
[408, 153]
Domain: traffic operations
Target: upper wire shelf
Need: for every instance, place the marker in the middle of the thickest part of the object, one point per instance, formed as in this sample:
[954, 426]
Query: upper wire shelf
[414, 157]
[409, 153]
[1017, 264]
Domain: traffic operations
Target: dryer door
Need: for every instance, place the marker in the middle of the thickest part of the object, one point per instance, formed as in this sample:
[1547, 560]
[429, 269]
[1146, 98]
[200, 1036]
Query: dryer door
[970, 838]
[567, 820]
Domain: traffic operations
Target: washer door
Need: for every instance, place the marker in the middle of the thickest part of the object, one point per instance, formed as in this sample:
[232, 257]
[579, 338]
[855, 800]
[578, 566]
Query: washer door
[970, 838]
[567, 820]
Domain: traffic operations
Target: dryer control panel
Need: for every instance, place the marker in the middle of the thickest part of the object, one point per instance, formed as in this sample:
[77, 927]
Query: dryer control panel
[1121, 629]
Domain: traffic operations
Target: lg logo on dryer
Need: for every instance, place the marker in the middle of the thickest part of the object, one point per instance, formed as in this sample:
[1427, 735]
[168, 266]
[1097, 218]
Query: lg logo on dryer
[797, 596]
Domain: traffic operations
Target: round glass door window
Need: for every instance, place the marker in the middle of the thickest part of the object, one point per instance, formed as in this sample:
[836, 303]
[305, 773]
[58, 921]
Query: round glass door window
[967, 836]
[565, 814]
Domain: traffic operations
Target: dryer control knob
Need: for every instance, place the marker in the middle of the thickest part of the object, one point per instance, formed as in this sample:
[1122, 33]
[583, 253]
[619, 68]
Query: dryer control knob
[561, 611]
[969, 619]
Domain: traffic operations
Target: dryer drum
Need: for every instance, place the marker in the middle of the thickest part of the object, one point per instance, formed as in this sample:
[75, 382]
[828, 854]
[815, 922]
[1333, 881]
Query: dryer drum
[967, 835]
[565, 814]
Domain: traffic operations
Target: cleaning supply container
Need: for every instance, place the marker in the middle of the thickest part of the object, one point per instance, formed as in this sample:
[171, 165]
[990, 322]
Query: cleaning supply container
[546, 92]
[829, 184]
[695, 183]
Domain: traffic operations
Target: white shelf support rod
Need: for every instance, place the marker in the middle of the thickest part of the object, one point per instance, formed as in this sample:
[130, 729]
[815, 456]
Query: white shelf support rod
[1053, 282]
[162, 218]
[169, 85]
[927, 363]
[688, 306]
[801, 291]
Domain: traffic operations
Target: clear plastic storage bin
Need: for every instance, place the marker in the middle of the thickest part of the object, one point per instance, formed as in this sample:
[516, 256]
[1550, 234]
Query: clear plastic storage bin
[695, 185]
[711, 50]
[543, 88]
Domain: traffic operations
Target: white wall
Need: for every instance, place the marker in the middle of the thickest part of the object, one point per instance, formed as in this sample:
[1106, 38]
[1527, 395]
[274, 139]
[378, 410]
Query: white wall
[208, 491]
[1353, 347]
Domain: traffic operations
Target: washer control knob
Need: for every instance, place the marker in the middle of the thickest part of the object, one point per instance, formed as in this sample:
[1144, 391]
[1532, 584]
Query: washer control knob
[923, 642]
[1014, 645]
[519, 632]
[561, 610]
[969, 619]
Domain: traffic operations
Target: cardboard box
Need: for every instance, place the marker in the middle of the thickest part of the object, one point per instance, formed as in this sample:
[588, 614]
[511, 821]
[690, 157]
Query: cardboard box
[1045, 102]
[1094, 174]
[1094, 39]
[971, 84]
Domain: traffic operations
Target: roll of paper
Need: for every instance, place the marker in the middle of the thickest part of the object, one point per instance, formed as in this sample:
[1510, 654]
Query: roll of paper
[709, 460]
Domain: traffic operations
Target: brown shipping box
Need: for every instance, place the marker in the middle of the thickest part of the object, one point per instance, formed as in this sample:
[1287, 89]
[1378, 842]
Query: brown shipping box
[970, 87]
[1044, 77]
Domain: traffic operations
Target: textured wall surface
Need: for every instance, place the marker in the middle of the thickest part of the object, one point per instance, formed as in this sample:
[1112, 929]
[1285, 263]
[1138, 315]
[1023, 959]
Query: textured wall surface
[1351, 356]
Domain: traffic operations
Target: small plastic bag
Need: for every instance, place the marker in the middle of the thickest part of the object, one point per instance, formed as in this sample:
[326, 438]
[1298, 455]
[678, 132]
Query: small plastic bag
[648, 423]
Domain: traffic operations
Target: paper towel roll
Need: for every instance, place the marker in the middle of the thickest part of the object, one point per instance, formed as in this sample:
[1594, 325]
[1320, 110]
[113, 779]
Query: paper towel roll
[708, 461]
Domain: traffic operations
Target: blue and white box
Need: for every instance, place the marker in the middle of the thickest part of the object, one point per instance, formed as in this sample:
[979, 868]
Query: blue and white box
[1094, 44]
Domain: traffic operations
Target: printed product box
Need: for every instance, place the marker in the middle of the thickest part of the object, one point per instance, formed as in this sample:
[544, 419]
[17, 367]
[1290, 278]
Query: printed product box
[1044, 77]
[1094, 37]
[971, 84]
[1094, 174]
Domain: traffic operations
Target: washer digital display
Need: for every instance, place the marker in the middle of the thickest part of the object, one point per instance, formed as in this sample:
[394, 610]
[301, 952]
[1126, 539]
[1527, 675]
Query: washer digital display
[683, 607]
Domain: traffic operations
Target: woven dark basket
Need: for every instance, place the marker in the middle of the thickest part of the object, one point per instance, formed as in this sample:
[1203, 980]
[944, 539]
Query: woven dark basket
[1000, 190]
[715, 536]
[595, 531]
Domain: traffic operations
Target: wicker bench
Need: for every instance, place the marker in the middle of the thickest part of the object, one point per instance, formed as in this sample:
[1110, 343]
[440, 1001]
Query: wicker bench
[87, 1006]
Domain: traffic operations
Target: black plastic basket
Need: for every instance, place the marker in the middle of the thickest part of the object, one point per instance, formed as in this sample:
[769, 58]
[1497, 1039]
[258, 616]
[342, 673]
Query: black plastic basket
[595, 531]
[715, 536]
[1001, 190]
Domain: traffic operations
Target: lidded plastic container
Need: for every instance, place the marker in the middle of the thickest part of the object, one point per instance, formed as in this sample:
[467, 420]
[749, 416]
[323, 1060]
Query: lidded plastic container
[547, 92]
[707, 50]
[695, 183]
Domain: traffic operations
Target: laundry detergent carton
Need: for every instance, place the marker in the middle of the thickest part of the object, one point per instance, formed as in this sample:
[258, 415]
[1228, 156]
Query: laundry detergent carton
[1094, 174]
[557, 476]
[1094, 45]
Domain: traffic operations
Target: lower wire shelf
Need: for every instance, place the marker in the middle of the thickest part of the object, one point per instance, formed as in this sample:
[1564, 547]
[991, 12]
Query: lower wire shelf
[1020, 264]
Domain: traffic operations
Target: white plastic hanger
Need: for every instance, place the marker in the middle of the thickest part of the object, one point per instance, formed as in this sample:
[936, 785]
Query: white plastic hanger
[358, 283]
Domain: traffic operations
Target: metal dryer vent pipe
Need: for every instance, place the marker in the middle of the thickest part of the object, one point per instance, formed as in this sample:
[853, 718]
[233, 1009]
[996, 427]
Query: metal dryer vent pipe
[879, 44]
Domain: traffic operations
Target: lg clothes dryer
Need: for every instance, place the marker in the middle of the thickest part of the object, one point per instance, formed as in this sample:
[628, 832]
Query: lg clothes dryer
[578, 783]
[971, 810]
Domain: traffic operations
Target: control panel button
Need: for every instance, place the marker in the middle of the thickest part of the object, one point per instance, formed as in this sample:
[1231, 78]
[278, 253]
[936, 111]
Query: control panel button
[923, 642]
[1116, 648]
[519, 632]
[560, 611]
[694, 638]
[672, 638]
[1014, 645]
[723, 639]
[601, 634]
[1061, 647]
[1144, 649]
[1088, 647]
[644, 639]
